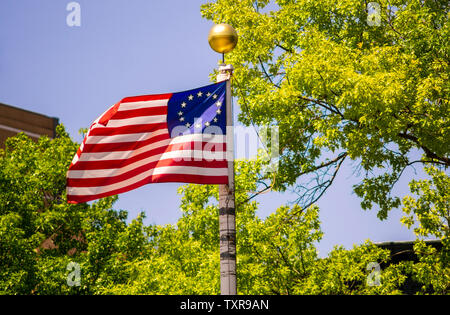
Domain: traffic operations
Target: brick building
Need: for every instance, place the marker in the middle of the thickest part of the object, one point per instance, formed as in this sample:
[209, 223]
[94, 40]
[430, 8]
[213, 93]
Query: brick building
[14, 120]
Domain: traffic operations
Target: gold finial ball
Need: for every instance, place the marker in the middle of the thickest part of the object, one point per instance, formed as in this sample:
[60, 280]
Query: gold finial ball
[222, 38]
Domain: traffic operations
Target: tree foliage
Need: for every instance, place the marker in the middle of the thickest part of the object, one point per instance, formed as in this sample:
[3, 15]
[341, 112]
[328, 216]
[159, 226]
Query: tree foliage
[350, 80]
[342, 85]
[40, 233]
[43, 240]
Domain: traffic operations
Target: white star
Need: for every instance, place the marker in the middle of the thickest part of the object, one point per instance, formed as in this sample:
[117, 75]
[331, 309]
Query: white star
[188, 125]
[180, 113]
[219, 103]
[199, 94]
[218, 111]
[208, 94]
[198, 126]
[181, 118]
[214, 96]
[207, 124]
[215, 119]
[190, 97]
[183, 104]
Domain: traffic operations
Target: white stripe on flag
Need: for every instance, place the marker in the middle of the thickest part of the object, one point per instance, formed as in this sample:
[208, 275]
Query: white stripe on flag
[125, 137]
[141, 120]
[199, 137]
[145, 104]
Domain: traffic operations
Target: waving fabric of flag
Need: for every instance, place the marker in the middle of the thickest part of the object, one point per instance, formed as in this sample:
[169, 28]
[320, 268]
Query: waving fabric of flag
[174, 137]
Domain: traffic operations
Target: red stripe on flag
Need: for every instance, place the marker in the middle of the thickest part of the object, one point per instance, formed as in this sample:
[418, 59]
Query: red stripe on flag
[145, 98]
[107, 116]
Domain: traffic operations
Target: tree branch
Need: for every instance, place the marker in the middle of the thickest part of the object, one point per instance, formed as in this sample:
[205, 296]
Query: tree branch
[322, 187]
[265, 72]
[430, 154]
[322, 165]
[284, 48]
[328, 107]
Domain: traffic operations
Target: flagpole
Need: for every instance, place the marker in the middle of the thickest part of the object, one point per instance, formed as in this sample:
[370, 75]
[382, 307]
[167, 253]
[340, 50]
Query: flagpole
[227, 213]
[223, 38]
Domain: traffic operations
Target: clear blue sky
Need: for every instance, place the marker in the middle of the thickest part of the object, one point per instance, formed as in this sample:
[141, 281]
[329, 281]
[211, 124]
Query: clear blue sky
[124, 48]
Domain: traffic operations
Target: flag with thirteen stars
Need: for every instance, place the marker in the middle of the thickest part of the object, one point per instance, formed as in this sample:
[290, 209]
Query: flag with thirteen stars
[173, 137]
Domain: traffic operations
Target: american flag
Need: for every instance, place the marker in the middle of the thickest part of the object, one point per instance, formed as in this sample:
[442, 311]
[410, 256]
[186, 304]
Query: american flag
[174, 137]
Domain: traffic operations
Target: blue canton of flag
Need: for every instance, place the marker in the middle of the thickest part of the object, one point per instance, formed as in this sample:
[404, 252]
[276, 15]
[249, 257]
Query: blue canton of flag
[199, 110]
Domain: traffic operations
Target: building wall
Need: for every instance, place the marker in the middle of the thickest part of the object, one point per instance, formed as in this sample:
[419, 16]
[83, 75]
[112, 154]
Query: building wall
[14, 120]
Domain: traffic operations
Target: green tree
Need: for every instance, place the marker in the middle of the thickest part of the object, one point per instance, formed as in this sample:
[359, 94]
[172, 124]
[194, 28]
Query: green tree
[40, 233]
[349, 80]
[340, 86]
[32, 182]
[276, 255]
[430, 211]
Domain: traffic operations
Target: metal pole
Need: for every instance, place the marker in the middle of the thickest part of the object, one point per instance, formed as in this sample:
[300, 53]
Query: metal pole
[227, 217]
